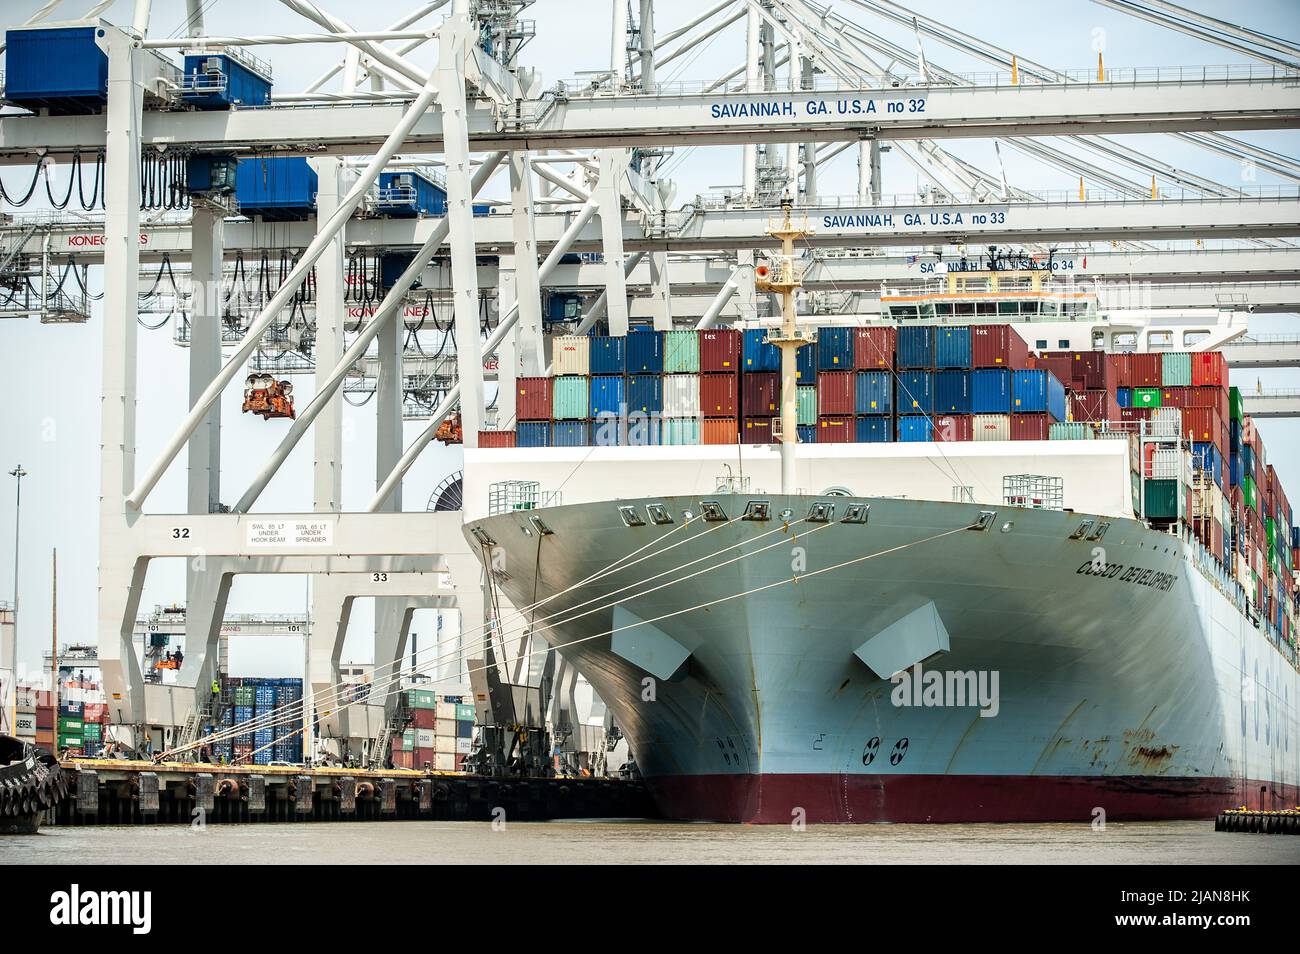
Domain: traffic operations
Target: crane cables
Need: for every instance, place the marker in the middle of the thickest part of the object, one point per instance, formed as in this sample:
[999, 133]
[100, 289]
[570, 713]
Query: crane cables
[76, 183]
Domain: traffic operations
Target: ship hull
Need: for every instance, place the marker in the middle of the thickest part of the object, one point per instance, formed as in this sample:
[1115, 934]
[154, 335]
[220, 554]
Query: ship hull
[1121, 681]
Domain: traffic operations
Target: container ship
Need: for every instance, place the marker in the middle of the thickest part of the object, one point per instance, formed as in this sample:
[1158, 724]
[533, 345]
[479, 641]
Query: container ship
[997, 583]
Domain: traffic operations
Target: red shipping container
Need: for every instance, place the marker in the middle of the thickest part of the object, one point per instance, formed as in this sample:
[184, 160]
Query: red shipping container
[1060, 363]
[756, 430]
[1175, 397]
[719, 395]
[835, 392]
[719, 350]
[760, 393]
[422, 718]
[45, 717]
[1203, 425]
[953, 427]
[94, 712]
[423, 758]
[1207, 396]
[1029, 427]
[1146, 370]
[720, 430]
[460, 762]
[496, 438]
[403, 760]
[836, 429]
[874, 347]
[1209, 368]
[1131, 415]
[1095, 406]
[998, 346]
[1121, 370]
[1091, 369]
[533, 399]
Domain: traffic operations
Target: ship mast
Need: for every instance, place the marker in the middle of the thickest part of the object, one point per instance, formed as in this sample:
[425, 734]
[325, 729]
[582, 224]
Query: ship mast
[789, 338]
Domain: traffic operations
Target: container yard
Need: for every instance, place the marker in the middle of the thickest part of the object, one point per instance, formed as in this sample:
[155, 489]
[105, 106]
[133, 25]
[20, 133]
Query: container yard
[752, 432]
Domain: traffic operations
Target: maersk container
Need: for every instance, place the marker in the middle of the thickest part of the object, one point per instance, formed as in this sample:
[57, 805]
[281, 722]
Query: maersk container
[607, 354]
[569, 434]
[757, 356]
[681, 393]
[991, 427]
[874, 392]
[532, 434]
[679, 431]
[952, 392]
[571, 354]
[915, 392]
[952, 347]
[61, 69]
[1176, 369]
[220, 81]
[1037, 391]
[569, 397]
[915, 427]
[875, 430]
[276, 188]
[990, 391]
[405, 195]
[645, 394]
[645, 351]
[681, 352]
[834, 348]
[607, 395]
[807, 405]
[916, 347]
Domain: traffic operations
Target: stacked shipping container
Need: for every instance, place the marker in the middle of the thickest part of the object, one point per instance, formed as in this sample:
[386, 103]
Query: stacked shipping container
[439, 733]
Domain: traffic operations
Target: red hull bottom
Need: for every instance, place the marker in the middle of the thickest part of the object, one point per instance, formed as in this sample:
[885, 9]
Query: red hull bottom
[861, 799]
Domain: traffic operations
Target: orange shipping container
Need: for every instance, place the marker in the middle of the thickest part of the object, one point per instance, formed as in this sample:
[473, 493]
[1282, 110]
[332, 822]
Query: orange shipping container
[720, 430]
[496, 438]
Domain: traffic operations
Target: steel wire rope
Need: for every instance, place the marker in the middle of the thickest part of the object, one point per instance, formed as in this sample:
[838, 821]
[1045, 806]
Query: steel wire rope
[697, 606]
[73, 176]
[521, 613]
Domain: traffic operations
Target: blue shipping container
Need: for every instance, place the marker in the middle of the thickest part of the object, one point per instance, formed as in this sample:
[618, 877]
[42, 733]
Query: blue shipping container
[1036, 391]
[532, 434]
[405, 195]
[645, 351]
[645, 394]
[915, 427]
[875, 430]
[1234, 469]
[608, 354]
[1247, 461]
[279, 188]
[219, 81]
[758, 356]
[916, 392]
[606, 396]
[807, 433]
[1205, 457]
[1124, 397]
[1234, 435]
[61, 69]
[569, 434]
[874, 392]
[952, 392]
[952, 347]
[834, 348]
[805, 365]
[916, 346]
[990, 391]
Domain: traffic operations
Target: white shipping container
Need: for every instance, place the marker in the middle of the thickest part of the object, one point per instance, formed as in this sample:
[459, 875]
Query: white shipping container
[424, 738]
[991, 427]
[463, 746]
[444, 744]
[444, 762]
[1165, 422]
[1166, 463]
[446, 710]
[571, 354]
[445, 727]
[681, 395]
[25, 726]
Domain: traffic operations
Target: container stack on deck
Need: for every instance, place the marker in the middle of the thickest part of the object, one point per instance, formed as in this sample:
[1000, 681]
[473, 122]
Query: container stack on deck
[1199, 462]
[276, 736]
[439, 732]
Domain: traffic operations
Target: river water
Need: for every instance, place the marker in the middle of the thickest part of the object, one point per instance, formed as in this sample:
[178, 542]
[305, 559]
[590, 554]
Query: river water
[641, 842]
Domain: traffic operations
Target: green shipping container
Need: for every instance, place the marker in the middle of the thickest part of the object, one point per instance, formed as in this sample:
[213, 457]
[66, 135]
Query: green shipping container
[1234, 405]
[245, 695]
[71, 726]
[1161, 499]
[408, 739]
[91, 732]
[1146, 397]
[1069, 431]
[679, 431]
[421, 699]
[71, 741]
[681, 352]
[1270, 532]
[1176, 369]
[1249, 495]
[464, 713]
[808, 405]
[569, 398]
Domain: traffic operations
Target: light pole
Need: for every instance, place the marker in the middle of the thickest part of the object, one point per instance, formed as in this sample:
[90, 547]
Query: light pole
[19, 474]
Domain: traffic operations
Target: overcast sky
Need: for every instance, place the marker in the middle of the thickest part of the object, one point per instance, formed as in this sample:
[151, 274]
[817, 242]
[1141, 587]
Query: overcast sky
[49, 391]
